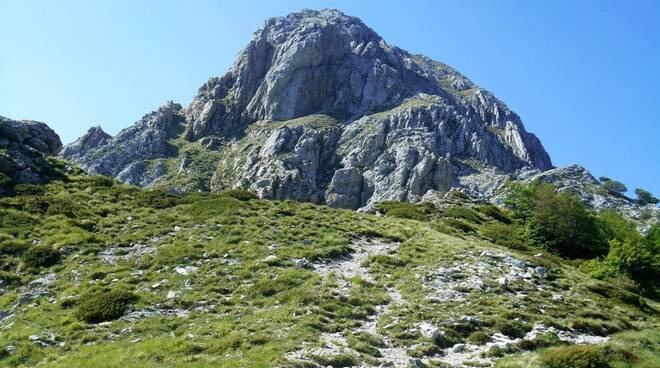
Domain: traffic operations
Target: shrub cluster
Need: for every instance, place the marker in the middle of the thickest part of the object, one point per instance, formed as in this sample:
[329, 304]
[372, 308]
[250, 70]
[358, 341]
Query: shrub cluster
[575, 356]
[613, 187]
[155, 198]
[645, 197]
[105, 306]
[558, 221]
[240, 194]
[465, 213]
[411, 211]
[40, 255]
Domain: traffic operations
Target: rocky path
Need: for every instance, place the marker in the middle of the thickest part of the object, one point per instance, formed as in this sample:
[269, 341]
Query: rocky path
[343, 269]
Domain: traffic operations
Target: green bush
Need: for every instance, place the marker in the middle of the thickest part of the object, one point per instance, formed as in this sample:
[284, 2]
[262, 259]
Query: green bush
[9, 278]
[446, 339]
[29, 189]
[576, 356]
[5, 180]
[99, 181]
[614, 187]
[494, 212]
[419, 212]
[40, 255]
[540, 341]
[614, 226]
[240, 194]
[502, 234]
[465, 213]
[458, 195]
[155, 198]
[15, 222]
[9, 245]
[105, 306]
[636, 259]
[512, 328]
[460, 225]
[215, 205]
[336, 360]
[478, 338]
[64, 206]
[653, 238]
[558, 221]
[645, 197]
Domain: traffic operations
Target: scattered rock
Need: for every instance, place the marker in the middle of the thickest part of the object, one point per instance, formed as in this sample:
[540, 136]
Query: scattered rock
[185, 270]
[458, 348]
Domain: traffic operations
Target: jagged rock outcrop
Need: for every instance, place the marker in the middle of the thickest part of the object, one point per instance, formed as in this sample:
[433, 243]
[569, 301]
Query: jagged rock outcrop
[24, 146]
[318, 107]
[293, 160]
[94, 138]
[126, 155]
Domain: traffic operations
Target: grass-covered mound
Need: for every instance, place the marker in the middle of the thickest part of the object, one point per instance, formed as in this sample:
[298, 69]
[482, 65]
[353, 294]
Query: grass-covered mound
[97, 273]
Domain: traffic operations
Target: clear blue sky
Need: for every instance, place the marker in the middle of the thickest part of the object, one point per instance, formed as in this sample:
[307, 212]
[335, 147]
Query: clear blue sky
[583, 75]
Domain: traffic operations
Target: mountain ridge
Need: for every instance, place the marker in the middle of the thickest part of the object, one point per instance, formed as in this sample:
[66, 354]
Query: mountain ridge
[313, 63]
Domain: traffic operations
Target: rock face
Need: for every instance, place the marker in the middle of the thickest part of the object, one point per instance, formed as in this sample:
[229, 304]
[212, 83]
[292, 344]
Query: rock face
[126, 155]
[318, 107]
[24, 146]
[94, 138]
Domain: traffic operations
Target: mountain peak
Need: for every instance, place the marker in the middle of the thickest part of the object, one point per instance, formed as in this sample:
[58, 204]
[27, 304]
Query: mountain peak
[324, 110]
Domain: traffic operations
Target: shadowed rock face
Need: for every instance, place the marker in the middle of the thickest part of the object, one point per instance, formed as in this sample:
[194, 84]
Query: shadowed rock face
[24, 145]
[125, 156]
[94, 138]
[318, 107]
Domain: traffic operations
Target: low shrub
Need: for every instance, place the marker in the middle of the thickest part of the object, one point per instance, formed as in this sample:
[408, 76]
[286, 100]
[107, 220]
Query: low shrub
[364, 346]
[64, 206]
[423, 349]
[240, 194]
[558, 221]
[616, 293]
[478, 338]
[29, 189]
[464, 213]
[40, 255]
[9, 278]
[5, 180]
[460, 225]
[494, 212]
[99, 181]
[155, 198]
[540, 341]
[15, 222]
[105, 306]
[336, 360]
[576, 356]
[512, 328]
[411, 211]
[458, 195]
[502, 234]
[445, 339]
[12, 246]
[614, 187]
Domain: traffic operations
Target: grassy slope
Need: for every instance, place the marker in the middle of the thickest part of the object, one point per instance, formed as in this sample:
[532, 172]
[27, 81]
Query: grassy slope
[245, 309]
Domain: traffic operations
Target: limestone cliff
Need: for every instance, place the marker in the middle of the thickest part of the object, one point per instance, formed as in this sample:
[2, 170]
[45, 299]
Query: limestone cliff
[318, 107]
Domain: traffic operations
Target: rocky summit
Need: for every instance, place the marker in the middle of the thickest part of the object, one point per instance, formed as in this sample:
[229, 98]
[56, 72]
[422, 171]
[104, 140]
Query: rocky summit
[318, 107]
[24, 148]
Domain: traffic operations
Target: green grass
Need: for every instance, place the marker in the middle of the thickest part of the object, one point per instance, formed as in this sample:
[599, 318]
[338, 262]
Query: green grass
[633, 349]
[244, 309]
